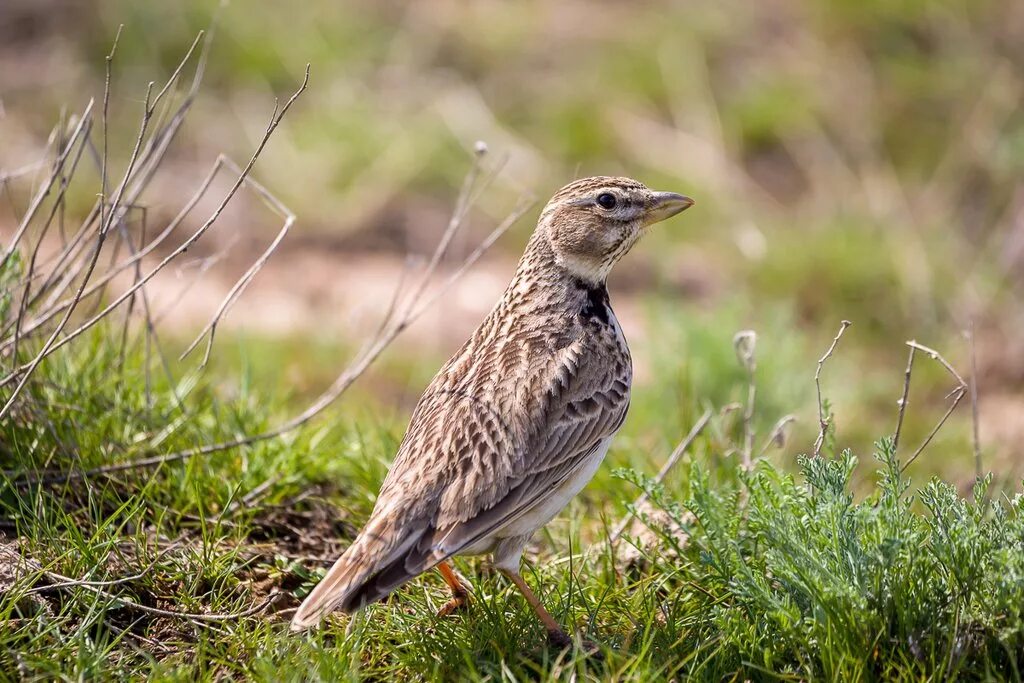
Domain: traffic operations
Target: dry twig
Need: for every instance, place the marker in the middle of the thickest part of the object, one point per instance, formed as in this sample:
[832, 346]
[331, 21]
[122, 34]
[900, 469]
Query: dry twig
[958, 393]
[975, 435]
[902, 403]
[823, 421]
[777, 435]
[243, 282]
[745, 344]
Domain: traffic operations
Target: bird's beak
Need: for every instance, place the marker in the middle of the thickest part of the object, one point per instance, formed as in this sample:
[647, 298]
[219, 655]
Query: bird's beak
[664, 205]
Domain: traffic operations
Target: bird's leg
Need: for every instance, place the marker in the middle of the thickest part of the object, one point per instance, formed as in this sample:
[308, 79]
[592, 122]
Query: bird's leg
[460, 591]
[556, 635]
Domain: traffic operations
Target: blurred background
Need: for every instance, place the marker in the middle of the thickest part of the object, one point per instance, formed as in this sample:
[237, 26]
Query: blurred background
[851, 159]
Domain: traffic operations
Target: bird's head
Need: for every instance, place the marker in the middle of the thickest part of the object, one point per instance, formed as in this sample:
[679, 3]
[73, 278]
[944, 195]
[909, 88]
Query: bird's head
[592, 223]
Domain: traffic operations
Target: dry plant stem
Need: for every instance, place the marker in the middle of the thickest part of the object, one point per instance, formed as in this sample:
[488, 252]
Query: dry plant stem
[275, 120]
[958, 393]
[152, 336]
[674, 458]
[139, 160]
[822, 420]
[404, 317]
[84, 122]
[104, 227]
[55, 309]
[202, 265]
[975, 436]
[903, 399]
[745, 345]
[243, 282]
[106, 219]
[748, 422]
[29, 276]
[150, 159]
[73, 583]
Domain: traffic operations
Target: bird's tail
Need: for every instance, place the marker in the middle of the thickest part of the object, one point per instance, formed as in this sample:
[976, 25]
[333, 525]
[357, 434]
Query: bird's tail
[366, 572]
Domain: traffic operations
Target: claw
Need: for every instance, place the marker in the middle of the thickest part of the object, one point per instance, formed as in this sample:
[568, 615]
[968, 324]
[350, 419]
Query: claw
[458, 603]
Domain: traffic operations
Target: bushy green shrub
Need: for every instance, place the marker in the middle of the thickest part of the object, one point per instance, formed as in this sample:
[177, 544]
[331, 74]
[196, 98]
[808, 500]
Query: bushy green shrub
[797, 575]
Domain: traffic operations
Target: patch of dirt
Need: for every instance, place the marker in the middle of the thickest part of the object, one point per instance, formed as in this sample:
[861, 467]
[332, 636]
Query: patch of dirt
[290, 546]
[320, 531]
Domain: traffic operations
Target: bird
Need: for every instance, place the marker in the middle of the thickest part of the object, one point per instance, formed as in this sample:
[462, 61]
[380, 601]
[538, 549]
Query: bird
[517, 422]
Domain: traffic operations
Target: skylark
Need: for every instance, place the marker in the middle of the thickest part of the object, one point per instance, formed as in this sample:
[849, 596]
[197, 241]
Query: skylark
[520, 418]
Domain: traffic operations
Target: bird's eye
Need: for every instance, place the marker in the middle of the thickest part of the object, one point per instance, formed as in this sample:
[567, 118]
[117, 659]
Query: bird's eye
[606, 200]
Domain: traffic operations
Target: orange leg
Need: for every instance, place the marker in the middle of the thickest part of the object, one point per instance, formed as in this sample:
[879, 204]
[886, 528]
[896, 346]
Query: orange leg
[460, 593]
[555, 633]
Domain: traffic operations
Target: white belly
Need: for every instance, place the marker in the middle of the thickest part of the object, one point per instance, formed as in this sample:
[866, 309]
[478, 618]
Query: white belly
[549, 506]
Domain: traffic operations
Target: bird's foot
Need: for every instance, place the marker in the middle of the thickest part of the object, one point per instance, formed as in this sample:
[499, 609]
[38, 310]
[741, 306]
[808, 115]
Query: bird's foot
[458, 603]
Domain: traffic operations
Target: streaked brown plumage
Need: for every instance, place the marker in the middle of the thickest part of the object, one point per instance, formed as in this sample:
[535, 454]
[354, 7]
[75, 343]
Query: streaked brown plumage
[516, 423]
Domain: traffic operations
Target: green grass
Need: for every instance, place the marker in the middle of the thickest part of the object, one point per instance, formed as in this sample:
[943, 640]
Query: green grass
[782, 574]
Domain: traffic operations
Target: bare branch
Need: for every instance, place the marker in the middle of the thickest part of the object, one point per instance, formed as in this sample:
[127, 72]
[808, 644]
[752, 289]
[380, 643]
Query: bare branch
[53, 310]
[243, 282]
[975, 436]
[149, 161]
[83, 122]
[935, 355]
[958, 393]
[65, 582]
[745, 344]
[903, 399]
[823, 421]
[57, 207]
[104, 227]
[777, 435]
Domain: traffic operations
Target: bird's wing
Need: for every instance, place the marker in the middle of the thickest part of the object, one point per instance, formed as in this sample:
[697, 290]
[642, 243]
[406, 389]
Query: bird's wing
[477, 455]
[578, 400]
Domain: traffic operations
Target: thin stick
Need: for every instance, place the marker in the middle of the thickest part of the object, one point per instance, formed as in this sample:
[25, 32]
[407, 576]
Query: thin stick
[99, 240]
[677, 454]
[29, 277]
[140, 176]
[152, 336]
[73, 583]
[201, 265]
[83, 121]
[976, 437]
[957, 396]
[196, 197]
[903, 399]
[243, 282]
[823, 422]
[958, 393]
[745, 344]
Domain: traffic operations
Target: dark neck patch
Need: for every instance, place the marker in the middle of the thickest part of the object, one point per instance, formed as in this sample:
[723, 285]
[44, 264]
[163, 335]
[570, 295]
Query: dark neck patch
[595, 306]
